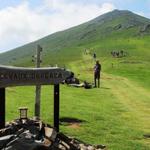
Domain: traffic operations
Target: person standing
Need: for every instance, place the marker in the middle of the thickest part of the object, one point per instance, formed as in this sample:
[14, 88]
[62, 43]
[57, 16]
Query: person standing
[94, 56]
[97, 70]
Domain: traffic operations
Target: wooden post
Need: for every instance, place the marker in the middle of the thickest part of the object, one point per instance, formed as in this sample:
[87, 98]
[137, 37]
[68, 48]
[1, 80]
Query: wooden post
[38, 87]
[56, 107]
[2, 108]
[37, 101]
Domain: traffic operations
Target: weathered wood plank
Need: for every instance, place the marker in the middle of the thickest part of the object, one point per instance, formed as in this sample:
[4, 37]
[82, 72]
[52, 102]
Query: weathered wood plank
[18, 76]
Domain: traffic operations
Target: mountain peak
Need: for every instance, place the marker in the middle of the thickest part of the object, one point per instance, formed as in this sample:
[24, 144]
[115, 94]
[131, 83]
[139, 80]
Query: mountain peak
[123, 16]
[114, 14]
[121, 11]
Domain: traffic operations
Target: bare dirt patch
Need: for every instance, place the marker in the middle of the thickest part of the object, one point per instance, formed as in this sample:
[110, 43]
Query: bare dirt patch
[71, 122]
[74, 125]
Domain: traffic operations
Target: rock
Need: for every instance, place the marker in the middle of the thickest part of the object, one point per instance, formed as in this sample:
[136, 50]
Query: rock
[35, 135]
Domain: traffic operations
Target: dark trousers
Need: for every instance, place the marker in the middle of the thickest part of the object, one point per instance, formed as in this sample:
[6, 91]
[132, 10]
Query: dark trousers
[97, 79]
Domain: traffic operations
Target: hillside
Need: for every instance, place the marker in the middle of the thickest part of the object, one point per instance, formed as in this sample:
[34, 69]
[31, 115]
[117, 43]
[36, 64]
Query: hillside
[113, 30]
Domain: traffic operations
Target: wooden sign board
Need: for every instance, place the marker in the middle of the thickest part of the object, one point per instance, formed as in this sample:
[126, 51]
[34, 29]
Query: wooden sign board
[19, 76]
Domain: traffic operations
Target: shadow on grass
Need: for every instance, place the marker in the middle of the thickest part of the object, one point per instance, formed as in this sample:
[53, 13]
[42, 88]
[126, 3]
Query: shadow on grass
[70, 120]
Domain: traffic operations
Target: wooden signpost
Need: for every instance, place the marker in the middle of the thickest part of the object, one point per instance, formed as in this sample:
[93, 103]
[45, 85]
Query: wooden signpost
[38, 87]
[17, 76]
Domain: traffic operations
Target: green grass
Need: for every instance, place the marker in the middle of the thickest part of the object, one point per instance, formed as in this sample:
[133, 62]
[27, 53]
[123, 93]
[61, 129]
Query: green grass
[117, 114]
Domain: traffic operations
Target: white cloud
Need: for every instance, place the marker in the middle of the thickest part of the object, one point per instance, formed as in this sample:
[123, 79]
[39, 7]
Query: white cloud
[141, 13]
[21, 24]
[72, 14]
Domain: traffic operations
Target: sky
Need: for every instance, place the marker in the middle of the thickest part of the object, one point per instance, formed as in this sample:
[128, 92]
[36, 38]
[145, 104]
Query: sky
[24, 21]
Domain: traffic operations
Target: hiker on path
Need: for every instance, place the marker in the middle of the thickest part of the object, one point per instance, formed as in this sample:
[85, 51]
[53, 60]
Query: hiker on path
[97, 70]
[94, 56]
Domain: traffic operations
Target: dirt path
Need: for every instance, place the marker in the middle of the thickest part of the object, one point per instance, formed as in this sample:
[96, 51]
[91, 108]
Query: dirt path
[134, 98]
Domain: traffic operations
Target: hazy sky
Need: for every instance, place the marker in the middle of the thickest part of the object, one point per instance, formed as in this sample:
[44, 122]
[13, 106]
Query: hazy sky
[23, 21]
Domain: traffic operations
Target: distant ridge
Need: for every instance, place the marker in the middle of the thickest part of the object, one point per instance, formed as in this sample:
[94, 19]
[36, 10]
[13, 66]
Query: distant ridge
[129, 19]
[67, 45]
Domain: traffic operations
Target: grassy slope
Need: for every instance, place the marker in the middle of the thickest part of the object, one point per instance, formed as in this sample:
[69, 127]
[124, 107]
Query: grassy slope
[117, 114]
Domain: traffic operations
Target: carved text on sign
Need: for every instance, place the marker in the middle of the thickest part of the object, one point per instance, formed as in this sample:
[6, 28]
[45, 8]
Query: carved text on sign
[13, 76]
[28, 76]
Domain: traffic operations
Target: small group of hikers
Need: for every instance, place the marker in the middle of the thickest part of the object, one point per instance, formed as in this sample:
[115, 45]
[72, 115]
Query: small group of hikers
[118, 54]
